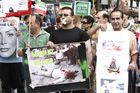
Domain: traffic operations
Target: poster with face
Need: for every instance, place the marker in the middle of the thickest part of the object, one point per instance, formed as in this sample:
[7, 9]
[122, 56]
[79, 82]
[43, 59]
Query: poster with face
[58, 66]
[8, 38]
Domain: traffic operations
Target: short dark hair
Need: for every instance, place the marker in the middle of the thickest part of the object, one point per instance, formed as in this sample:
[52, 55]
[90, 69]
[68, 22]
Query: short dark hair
[38, 19]
[116, 10]
[128, 13]
[89, 19]
[25, 17]
[68, 8]
[105, 15]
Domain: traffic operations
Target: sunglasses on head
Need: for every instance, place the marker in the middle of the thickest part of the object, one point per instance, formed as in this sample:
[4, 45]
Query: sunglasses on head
[65, 15]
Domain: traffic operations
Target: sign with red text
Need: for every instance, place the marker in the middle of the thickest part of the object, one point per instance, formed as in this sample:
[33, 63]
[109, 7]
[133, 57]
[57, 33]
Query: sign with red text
[14, 7]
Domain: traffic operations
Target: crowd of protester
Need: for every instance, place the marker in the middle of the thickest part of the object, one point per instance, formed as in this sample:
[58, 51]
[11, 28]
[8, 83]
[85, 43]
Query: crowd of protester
[70, 28]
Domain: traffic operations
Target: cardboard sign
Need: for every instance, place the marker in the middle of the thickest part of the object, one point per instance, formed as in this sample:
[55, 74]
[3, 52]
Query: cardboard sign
[82, 8]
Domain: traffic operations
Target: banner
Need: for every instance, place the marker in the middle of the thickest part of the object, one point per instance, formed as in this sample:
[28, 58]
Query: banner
[82, 8]
[112, 62]
[8, 40]
[65, 64]
[14, 7]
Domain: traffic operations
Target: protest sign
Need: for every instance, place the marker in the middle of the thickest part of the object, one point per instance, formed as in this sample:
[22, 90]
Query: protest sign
[64, 66]
[8, 42]
[112, 62]
[14, 7]
[82, 8]
[65, 4]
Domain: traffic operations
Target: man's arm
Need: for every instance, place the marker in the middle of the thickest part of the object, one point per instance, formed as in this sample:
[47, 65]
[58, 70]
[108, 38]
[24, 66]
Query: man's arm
[133, 52]
[93, 30]
[133, 63]
[89, 55]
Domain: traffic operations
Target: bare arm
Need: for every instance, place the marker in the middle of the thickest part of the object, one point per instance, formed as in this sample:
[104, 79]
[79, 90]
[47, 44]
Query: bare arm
[89, 55]
[93, 30]
[133, 63]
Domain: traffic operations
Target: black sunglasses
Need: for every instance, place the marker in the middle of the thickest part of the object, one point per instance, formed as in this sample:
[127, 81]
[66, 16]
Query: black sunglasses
[65, 15]
[83, 22]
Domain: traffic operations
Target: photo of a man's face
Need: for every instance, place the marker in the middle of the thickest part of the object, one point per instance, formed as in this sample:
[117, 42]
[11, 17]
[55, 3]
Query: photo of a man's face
[8, 41]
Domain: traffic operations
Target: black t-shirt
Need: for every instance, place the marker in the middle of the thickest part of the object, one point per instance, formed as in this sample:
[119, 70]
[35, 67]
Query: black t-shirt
[50, 29]
[68, 35]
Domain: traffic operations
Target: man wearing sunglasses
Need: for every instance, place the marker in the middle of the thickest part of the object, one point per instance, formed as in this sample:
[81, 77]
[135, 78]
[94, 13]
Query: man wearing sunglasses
[69, 33]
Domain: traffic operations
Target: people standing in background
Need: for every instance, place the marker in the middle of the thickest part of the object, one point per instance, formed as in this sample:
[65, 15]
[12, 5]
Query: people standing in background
[23, 25]
[87, 22]
[93, 12]
[127, 23]
[102, 24]
[50, 29]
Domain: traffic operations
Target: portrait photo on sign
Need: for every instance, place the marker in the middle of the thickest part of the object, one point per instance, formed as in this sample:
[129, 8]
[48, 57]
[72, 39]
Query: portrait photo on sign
[8, 38]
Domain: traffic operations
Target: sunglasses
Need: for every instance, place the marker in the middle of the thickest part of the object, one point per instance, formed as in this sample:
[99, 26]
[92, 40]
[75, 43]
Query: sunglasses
[83, 22]
[65, 15]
